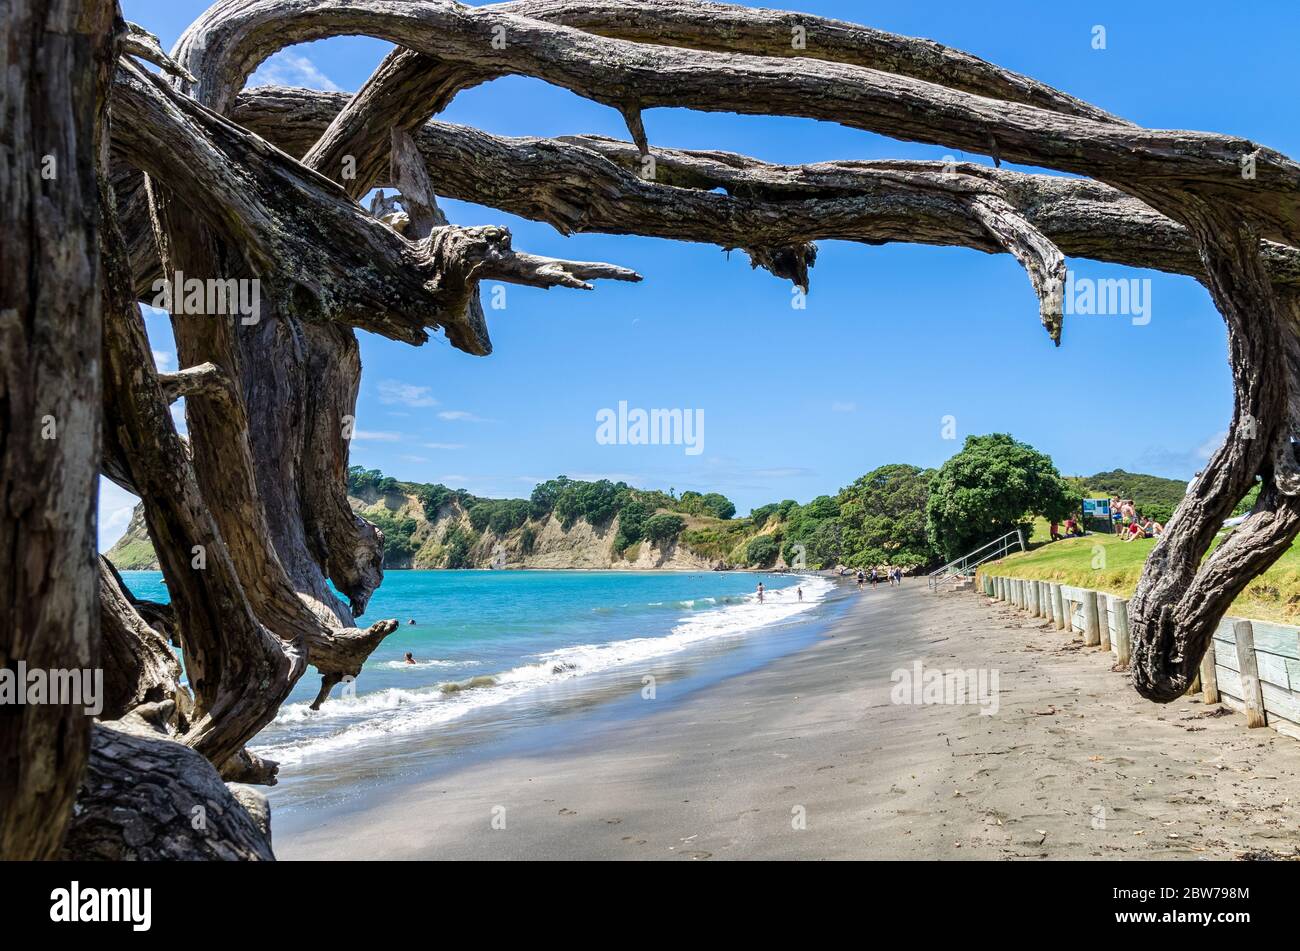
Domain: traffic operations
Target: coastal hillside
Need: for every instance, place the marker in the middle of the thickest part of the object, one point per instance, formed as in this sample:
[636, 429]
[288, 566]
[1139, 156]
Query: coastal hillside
[564, 524]
[879, 520]
[896, 515]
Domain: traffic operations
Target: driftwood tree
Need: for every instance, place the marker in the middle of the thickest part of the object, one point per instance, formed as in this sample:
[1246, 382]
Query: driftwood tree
[250, 517]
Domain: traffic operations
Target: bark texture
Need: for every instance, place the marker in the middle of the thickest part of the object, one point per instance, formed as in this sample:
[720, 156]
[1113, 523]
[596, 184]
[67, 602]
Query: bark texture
[54, 65]
[148, 798]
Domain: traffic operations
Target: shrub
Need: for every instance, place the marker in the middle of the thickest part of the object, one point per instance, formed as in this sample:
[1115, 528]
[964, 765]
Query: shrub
[432, 498]
[456, 544]
[507, 515]
[762, 551]
[479, 515]
[661, 529]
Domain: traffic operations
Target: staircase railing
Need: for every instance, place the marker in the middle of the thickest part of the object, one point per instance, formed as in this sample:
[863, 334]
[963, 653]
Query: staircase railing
[965, 565]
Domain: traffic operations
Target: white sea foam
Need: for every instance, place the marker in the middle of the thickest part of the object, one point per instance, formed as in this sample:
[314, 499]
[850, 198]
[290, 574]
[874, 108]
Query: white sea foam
[426, 664]
[386, 713]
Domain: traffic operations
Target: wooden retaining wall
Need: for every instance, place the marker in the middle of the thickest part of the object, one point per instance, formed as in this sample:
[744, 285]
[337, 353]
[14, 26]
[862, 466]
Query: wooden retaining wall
[1252, 667]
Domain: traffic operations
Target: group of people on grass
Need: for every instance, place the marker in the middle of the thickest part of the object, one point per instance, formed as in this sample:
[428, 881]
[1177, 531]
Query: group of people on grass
[1128, 524]
[1124, 519]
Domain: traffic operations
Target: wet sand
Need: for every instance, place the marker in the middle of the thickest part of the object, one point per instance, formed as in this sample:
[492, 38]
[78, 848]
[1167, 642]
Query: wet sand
[808, 758]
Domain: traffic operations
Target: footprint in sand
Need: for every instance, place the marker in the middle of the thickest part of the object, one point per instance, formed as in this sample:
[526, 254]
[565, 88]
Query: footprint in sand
[613, 822]
[567, 812]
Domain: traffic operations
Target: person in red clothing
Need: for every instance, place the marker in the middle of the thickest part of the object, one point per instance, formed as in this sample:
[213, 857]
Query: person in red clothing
[1056, 532]
[1134, 531]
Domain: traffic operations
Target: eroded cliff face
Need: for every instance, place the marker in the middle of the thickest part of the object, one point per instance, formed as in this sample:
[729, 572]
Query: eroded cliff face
[450, 540]
[541, 543]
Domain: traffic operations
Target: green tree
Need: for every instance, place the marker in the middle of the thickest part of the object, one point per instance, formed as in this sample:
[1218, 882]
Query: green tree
[762, 551]
[432, 498]
[663, 528]
[456, 544]
[542, 501]
[883, 515]
[631, 524]
[507, 515]
[989, 488]
[713, 504]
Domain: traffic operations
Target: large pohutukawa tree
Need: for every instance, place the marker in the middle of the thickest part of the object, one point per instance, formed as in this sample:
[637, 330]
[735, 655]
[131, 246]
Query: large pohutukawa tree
[249, 516]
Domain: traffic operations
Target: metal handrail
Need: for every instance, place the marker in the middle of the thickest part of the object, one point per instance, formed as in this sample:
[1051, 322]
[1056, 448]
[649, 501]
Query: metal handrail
[964, 565]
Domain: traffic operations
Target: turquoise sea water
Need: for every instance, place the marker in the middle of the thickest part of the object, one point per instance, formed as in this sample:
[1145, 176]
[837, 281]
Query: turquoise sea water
[496, 649]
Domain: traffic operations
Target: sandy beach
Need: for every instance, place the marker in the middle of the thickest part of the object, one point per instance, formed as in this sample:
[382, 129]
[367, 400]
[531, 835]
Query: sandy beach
[807, 757]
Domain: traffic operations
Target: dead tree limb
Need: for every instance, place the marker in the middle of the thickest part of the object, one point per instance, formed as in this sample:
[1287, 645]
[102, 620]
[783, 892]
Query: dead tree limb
[54, 89]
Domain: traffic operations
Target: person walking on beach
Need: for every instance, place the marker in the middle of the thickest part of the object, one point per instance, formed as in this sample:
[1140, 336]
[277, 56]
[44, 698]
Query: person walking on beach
[799, 591]
[861, 579]
[874, 579]
[760, 592]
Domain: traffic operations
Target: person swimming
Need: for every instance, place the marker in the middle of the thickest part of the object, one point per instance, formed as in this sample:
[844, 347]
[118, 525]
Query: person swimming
[411, 621]
[410, 658]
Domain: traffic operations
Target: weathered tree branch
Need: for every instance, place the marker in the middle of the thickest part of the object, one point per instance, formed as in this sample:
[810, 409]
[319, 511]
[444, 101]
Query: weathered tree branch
[148, 798]
[223, 47]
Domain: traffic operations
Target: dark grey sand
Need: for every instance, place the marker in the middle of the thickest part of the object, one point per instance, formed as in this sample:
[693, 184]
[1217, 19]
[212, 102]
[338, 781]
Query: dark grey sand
[1073, 765]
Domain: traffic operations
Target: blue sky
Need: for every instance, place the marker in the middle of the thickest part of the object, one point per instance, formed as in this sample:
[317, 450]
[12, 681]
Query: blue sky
[893, 339]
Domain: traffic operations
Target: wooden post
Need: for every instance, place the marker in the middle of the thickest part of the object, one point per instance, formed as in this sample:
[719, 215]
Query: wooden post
[1091, 632]
[1031, 591]
[1251, 690]
[1058, 606]
[1123, 645]
[1209, 676]
[1103, 620]
[1015, 593]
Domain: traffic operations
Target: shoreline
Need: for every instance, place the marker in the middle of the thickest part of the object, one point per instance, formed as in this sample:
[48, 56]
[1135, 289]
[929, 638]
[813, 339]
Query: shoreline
[1073, 765]
[335, 782]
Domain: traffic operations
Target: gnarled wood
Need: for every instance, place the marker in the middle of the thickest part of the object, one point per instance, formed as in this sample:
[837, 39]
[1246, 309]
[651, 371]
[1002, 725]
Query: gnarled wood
[56, 57]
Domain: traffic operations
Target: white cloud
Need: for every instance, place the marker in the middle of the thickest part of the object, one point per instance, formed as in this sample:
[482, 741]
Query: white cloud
[838, 407]
[164, 361]
[366, 436]
[460, 415]
[287, 68]
[115, 507]
[407, 394]
[443, 445]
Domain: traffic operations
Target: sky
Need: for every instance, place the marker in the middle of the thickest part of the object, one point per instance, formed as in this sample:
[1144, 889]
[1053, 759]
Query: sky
[901, 351]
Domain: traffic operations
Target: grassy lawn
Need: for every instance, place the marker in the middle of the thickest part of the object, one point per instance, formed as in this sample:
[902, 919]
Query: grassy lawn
[1273, 596]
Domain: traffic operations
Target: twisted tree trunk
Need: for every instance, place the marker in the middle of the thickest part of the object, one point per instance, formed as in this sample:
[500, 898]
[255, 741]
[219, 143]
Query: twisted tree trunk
[250, 517]
[56, 60]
